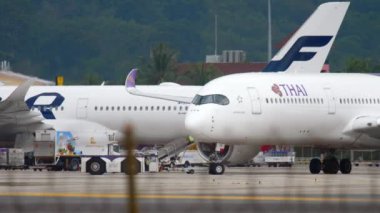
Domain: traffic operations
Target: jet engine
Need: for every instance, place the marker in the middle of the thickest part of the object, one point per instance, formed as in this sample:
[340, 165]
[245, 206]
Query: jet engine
[228, 154]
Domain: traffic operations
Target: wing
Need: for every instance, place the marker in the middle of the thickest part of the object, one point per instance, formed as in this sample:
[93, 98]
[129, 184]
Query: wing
[369, 125]
[15, 116]
[130, 85]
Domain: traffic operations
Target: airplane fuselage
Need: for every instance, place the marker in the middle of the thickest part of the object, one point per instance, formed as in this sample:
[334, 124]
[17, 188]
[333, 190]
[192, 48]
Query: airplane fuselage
[155, 121]
[279, 108]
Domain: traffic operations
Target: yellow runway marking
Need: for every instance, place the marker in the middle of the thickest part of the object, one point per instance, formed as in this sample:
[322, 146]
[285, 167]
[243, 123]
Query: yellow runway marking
[192, 197]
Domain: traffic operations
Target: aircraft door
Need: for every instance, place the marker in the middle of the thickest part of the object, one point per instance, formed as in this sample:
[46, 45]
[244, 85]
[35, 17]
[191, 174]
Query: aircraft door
[255, 100]
[82, 108]
[330, 100]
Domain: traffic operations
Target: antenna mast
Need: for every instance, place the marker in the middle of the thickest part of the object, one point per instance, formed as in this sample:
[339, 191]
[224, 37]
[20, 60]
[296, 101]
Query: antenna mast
[216, 34]
[269, 31]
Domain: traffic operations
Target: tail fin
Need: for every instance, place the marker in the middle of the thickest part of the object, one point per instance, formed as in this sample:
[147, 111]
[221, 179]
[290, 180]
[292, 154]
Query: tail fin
[307, 50]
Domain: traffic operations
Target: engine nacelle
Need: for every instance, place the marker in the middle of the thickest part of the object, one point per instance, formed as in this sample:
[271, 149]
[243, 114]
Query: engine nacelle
[229, 154]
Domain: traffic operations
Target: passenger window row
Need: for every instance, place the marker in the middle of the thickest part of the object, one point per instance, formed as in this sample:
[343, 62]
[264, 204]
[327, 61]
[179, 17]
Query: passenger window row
[141, 108]
[320, 100]
[359, 101]
[44, 108]
[294, 100]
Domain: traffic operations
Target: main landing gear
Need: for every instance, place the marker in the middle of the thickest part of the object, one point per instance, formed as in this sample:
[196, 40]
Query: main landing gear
[330, 165]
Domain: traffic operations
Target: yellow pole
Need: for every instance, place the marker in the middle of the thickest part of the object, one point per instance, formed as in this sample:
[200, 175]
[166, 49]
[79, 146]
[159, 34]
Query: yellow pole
[59, 80]
[130, 170]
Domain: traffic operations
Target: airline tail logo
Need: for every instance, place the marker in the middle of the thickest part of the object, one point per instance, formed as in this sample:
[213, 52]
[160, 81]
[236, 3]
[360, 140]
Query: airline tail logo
[295, 54]
[46, 108]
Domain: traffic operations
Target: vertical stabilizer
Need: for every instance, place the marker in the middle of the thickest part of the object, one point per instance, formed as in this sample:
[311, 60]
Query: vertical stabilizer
[307, 50]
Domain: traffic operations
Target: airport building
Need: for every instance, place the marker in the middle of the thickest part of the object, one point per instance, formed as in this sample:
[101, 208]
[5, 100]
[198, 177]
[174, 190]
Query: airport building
[8, 77]
[231, 62]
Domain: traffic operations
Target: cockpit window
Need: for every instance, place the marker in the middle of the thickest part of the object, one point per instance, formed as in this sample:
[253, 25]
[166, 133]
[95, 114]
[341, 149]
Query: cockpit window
[210, 99]
[221, 99]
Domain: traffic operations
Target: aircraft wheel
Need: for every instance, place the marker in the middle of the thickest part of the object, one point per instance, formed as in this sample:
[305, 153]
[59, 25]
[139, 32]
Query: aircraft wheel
[216, 169]
[345, 166]
[315, 166]
[330, 165]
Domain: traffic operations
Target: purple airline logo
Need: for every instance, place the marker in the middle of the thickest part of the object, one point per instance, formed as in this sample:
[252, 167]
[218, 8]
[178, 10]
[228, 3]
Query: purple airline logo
[131, 78]
[289, 89]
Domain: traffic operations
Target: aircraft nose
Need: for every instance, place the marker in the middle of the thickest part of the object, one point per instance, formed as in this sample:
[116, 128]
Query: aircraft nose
[196, 125]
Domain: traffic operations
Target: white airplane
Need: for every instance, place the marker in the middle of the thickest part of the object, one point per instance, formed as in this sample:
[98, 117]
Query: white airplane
[297, 107]
[330, 111]
[91, 114]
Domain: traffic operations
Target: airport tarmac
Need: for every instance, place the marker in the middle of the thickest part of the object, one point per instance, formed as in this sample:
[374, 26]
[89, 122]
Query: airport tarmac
[238, 190]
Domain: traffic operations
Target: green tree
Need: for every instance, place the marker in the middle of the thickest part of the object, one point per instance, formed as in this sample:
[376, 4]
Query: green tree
[199, 74]
[45, 38]
[356, 65]
[92, 78]
[161, 65]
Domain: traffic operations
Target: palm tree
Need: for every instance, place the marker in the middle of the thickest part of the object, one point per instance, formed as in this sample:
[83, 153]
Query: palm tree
[160, 66]
[200, 74]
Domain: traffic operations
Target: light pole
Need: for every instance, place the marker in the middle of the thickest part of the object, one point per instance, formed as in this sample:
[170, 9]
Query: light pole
[269, 31]
[216, 35]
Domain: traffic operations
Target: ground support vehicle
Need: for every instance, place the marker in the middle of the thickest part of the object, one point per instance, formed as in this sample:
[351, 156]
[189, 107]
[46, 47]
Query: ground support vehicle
[12, 159]
[98, 164]
[280, 158]
[58, 150]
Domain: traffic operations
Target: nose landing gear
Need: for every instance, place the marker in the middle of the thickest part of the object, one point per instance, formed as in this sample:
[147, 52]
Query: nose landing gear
[216, 169]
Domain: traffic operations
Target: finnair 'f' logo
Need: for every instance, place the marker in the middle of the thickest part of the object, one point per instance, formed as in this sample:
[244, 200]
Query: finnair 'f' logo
[294, 53]
[45, 108]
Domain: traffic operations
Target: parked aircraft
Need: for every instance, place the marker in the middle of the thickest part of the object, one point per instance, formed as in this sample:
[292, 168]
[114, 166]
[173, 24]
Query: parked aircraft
[95, 113]
[330, 111]
[294, 106]
[91, 114]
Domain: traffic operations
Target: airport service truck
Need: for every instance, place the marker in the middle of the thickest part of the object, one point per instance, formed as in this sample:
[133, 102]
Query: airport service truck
[57, 150]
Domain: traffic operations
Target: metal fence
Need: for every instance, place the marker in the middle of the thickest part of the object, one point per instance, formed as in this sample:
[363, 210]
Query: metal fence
[240, 189]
